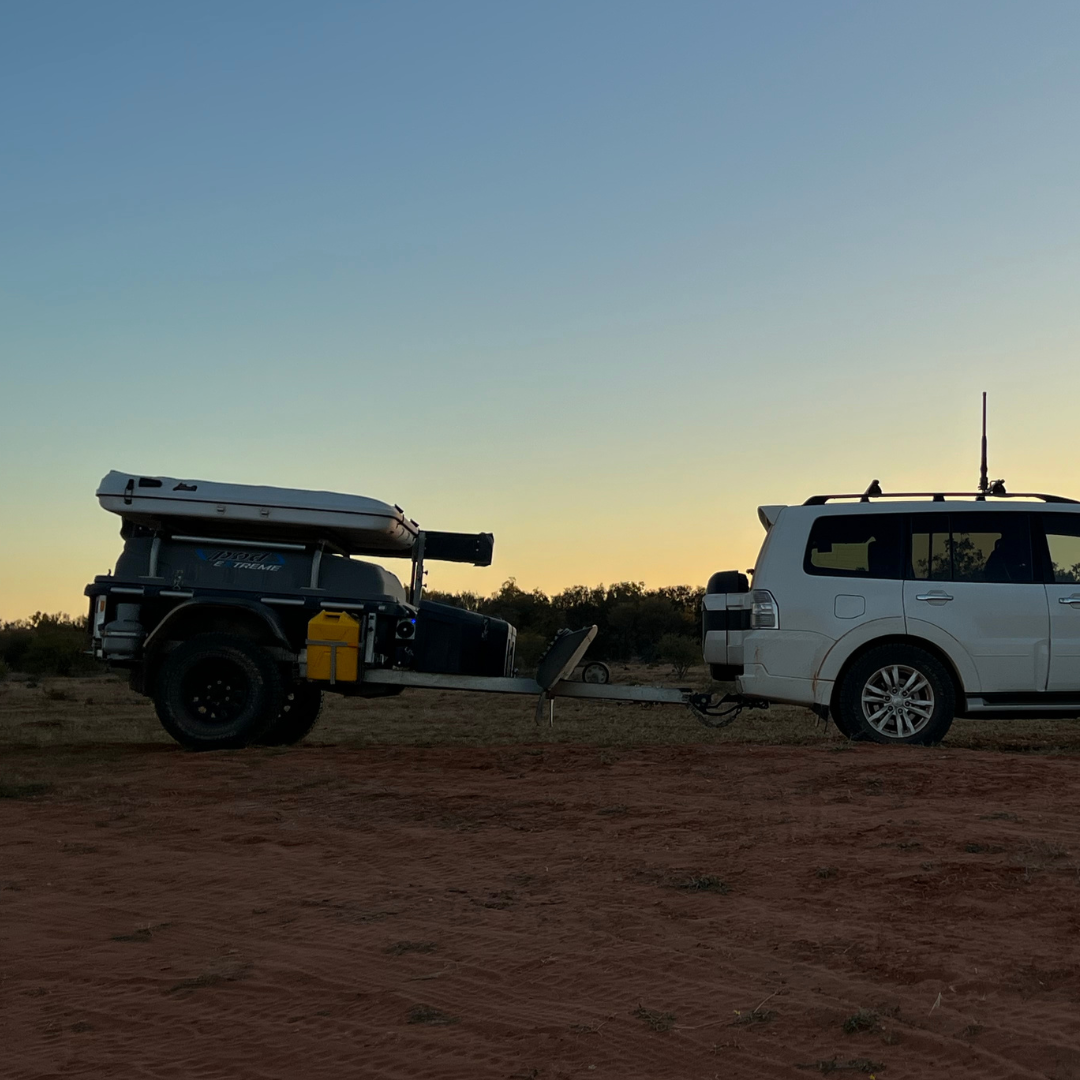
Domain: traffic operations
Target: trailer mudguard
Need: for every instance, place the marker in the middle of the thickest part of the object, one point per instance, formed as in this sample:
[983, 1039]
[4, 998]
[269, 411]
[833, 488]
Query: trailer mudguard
[191, 609]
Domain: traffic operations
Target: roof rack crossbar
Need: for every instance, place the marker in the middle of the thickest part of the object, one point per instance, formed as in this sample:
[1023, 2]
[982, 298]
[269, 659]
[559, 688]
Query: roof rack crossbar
[936, 496]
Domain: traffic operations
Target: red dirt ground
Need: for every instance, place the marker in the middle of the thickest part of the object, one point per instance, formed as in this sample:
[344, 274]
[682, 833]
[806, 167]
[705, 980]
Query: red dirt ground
[539, 912]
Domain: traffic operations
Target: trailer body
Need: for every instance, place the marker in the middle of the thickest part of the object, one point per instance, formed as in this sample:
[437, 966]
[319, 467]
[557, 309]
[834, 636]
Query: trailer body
[236, 630]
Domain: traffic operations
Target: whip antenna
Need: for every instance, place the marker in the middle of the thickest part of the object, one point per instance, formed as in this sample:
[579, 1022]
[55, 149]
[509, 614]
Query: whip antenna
[987, 486]
[984, 483]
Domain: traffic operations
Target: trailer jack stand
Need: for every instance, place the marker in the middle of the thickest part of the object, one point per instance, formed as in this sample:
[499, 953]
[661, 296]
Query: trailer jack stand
[723, 711]
[545, 697]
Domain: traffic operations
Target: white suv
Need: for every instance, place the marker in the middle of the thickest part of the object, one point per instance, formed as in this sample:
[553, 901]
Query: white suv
[896, 616]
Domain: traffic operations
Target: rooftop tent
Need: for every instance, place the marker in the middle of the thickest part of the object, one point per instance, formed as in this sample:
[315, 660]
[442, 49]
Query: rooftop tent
[355, 524]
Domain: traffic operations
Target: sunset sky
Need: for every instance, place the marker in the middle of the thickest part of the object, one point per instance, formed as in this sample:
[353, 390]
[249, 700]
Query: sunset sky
[598, 277]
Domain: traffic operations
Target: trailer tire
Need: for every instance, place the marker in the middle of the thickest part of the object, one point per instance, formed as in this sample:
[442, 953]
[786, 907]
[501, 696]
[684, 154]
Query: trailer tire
[300, 708]
[596, 672]
[217, 692]
[896, 694]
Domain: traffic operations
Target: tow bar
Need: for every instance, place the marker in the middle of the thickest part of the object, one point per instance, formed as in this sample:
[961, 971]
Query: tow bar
[552, 681]
[724, 710]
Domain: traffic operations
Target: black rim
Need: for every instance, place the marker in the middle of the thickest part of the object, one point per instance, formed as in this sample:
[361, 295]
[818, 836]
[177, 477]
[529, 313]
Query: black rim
[215, 691]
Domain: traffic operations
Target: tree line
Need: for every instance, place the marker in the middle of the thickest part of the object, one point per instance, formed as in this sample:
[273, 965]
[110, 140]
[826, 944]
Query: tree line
[634, 623]
[46, 645]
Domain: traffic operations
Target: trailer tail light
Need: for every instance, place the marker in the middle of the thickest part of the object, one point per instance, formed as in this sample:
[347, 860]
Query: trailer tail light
[99, 616]
[764, 614]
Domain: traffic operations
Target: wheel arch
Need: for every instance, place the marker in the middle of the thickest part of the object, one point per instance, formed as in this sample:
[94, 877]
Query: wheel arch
[245, 618]
[936, 651]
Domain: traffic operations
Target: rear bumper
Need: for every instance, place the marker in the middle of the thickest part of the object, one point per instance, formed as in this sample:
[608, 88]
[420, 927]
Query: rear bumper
[784, 666]
[755, 681]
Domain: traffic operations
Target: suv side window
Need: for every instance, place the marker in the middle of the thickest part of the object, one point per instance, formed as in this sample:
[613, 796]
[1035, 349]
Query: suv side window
[1063, 539]
[855, 545]
[985, 547]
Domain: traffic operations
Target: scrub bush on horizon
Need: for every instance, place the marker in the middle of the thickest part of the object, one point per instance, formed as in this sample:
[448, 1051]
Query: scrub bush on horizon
[631, 620]
[46, 645]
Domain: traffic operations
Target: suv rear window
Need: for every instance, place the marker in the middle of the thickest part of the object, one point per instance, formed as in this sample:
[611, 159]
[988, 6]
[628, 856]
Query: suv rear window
[985, 547]
[855, 545]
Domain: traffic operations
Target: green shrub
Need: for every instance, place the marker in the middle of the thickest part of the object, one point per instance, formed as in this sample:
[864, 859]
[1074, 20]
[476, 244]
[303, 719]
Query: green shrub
[682, 653]
[46, 645]
[631, 620]
[530, 647]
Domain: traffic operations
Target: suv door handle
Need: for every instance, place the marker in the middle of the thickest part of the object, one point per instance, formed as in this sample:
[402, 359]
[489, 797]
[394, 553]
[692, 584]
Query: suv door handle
[1074, 600]
[929, 597]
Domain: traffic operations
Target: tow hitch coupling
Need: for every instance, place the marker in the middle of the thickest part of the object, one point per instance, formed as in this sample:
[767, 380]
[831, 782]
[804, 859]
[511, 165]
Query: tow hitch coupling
[718, 712]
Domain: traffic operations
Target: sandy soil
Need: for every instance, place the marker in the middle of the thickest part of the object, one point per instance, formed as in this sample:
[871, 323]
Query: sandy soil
[533, 910]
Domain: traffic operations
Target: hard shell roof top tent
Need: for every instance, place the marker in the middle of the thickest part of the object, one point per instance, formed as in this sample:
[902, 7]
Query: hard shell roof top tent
[355, 524]
[348, 524]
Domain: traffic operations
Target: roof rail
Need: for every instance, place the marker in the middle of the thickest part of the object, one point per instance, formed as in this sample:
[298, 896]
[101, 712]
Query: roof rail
[938, 496]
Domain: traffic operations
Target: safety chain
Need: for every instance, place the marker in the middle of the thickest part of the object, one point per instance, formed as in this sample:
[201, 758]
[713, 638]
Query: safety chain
[725, 710]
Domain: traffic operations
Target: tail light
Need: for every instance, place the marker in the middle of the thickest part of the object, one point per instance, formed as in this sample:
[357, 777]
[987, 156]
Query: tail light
[764, 614]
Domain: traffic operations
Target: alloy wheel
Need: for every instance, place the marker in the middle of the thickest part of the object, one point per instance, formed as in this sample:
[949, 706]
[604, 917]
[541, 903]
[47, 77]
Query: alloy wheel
[898, 701]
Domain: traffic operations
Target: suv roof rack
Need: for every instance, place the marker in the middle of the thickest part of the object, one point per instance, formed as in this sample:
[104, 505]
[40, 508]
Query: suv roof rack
[995, 490]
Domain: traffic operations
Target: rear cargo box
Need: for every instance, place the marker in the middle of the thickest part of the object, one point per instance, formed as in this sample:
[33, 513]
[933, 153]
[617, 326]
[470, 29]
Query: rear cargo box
[452, 641]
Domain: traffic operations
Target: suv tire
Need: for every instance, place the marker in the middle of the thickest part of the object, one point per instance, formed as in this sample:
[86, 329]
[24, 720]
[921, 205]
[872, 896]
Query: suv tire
[300, 708]
[217, 692]
[896, 694]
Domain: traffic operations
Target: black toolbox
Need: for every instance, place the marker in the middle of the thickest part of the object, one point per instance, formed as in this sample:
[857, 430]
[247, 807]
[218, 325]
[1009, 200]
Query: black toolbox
[453, 641]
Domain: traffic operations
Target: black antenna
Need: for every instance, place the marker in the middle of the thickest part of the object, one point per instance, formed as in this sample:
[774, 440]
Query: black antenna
[987, 486]
[984, 483]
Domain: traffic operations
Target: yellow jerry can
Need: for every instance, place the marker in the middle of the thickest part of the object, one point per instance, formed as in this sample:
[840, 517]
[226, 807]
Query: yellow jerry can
[333, 647]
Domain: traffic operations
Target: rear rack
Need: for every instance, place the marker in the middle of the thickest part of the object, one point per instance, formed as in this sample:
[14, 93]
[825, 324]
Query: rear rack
[995, 490]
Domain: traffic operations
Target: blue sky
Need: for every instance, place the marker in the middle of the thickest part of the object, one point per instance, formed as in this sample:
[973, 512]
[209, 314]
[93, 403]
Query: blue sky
[597, 276]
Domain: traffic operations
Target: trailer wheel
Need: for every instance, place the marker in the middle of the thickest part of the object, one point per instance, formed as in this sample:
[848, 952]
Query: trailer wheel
[300, 708]
[596, 672]
[896, 694]
[217, 692]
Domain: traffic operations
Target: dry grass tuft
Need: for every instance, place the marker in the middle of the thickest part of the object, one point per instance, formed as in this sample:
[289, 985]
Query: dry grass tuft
[399, 948]
[12, 790]
[426, 1014]
[142, 934]
[658, 1021]
[754, 1016]
[862, 1065]
[702, 883]
[863, 1020]
[231, 971]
